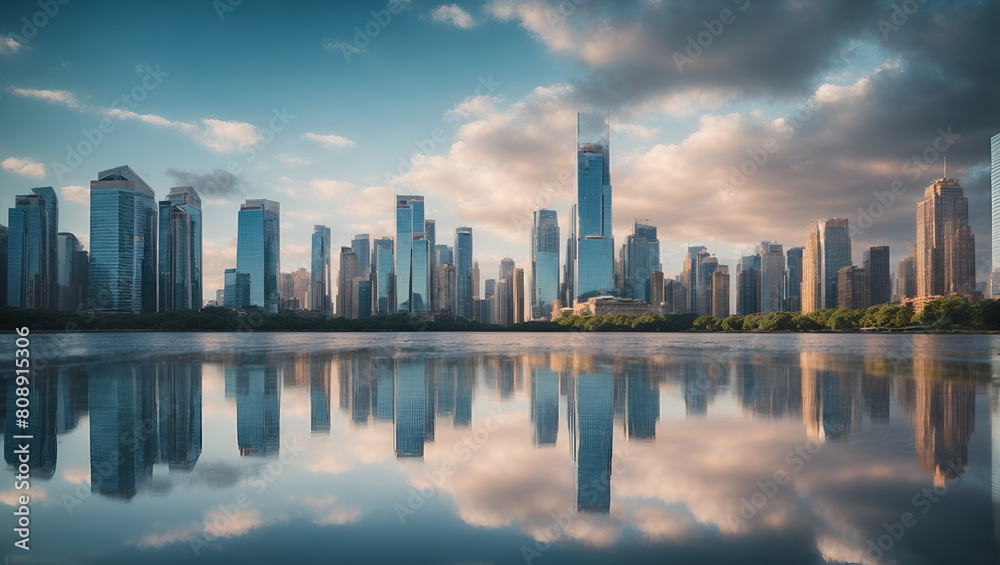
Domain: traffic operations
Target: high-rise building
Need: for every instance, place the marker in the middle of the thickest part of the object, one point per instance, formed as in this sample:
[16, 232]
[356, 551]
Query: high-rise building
[301, 282]
[363, 248]
[595, 246]
[443, 255]
[361, 298]
[503, 302]
[347, 273]
[828, 249]
[567, 290]
[772, 277]
[674, 297]
[122, 243]
[384, 288]
[793, 280]
[544, 283]
[237, 290]
[73, 269]
[852, 288]
[466, 273]
[707, 264]
[720, 291]
[640, 259]
[32, 250]
[320, 284]
[4, 236]
[748, 285]
[409, 227]
[689, 276]
[445, 283]
[945, 244]
[258, 251]
[518, 295]
[180, 255]
[876, 266]
[906, 275]
[655, 291]
[430, 234]
[995, 195]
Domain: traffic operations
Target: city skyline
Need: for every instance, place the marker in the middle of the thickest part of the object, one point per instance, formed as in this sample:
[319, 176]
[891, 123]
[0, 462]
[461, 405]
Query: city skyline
[677, 144]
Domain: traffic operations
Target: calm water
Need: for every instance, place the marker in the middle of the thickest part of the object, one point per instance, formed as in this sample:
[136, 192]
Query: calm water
[509, 448]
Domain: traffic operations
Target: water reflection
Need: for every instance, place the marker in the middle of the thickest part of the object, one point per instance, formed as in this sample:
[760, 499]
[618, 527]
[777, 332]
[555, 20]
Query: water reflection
[698, 434]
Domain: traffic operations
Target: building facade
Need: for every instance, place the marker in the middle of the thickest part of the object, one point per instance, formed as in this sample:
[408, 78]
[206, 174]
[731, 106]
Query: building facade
[640, 258]
[852, 288]
[180, 250]
[945, 245]
[876, 266]
[258, 251]
[543, 287]
[828, 249]
[32, 263]
[73, 269]
[720, 292]
[595, 245]
[793, 279]
[466, 276]
[410, 227]
[320, 284]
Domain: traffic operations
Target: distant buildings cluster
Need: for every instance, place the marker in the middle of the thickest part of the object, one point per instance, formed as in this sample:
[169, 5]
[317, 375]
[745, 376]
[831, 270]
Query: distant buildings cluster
[147, 256]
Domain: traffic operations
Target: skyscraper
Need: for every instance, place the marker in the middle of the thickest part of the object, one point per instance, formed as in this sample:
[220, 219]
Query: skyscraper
[73, 272]
[640, 259]
[567, 291]
[876, 265]
[4, 236]
[544, 283]
[828, 248]
[445, 283]
[748, 285]
[689, 276]
[443, 255]
[409, 226]
[122, 243]
[518, 295]
[361, 244]
[345, 276]
[258, 251]
[656, 288]
[720, 292]
[852, 288]
[707, 264]
[772, 277]
[906, 275]
[180, 256]
[995, 194]
[32, 250]
[475, 279]
[320, 284]
[793, 292]
[945, 244]
[430, 234]
[466, 277]
[595, 246]
[237, 289]
[384, 288]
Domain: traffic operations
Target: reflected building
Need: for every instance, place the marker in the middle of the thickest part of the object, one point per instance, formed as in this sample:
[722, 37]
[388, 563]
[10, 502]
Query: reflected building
[695, 389]
[42, 424]
[594, 422]
[410, 406]
[828, 398]
[320, 371]
[464, 375]
[258, 403]
[122, 405]
[544, 406]
[71, 398]
[179, 415]
[943, 415]
[642, 408]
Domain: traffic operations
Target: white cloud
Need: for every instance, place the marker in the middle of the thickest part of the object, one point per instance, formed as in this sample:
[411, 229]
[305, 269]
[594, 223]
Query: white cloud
[226, 137]
[330, 189]
[331, 141]
[9, 46]
[293, 160]
[454, 15]
[64, 97]
[75, 193]
[26, 167]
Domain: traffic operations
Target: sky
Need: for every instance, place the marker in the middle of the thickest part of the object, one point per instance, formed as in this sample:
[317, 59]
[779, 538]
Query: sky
[332, 107]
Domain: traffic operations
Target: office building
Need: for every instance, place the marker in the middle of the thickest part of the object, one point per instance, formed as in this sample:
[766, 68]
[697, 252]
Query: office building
[720, 291]
[180, 250]
[567, 290]
[361, 244]
[595, 246]
[994, 289]
[4, 235]
[410, 227]
[320, 283]
[361, 298]
[518, 296]
[906, 275]
[466, 273]
[828, 249]
[443, 255]
[345, 276]
[852, 288]
[641, 256]
[258, 251]
[656, 296]
[876, 266]
[384, 287]
[945, 244]
[122, 243]
[689, 276]
[32, 262]
[793, 280]
[445, 288]
[772, 277]
[748, 285]
[73, 273]
[543, 287]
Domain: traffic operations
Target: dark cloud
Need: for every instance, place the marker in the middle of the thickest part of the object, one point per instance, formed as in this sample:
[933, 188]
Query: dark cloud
[215, 185]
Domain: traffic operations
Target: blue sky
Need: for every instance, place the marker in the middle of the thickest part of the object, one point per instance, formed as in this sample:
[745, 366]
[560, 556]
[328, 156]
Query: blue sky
[488, 91]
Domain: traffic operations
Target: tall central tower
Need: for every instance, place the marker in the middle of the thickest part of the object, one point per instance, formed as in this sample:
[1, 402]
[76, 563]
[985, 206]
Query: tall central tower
[595, 246]
[946, 247]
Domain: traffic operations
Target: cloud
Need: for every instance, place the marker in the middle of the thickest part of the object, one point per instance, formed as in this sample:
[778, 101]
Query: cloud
[26, 167]
[226, 137]
[80, 194]
[293, 161]
[63, 97]
[452, 14]
[9, 45]
[330, 189]
[330, 141]
[219, 184]
[151, 119]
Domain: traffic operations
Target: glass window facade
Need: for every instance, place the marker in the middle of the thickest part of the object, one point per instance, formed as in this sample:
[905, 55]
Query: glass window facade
[995, 193]
[463, 272]
[409, 223]
[257, 252]
[421, 285]
[320, 284]
[641, 258]
[180, 250]
[543, 287]
[384, 289]
[595, 255]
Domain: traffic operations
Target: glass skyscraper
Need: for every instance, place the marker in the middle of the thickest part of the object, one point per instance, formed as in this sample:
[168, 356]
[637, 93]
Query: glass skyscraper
[180, 253]
[793, 293]
[748, 285]
[74, 264]
[420, 287]
[463, 272]
[409, 227]
[772, 277]
[122, 243]
[258, 252]
[995, 192]
[384, 289]
[320, 284]
[828, 248]
[32, 268]
[544, 284]
[641, 258]
[595, 246]
[363, 247]
[568, 288]
[876, 266]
